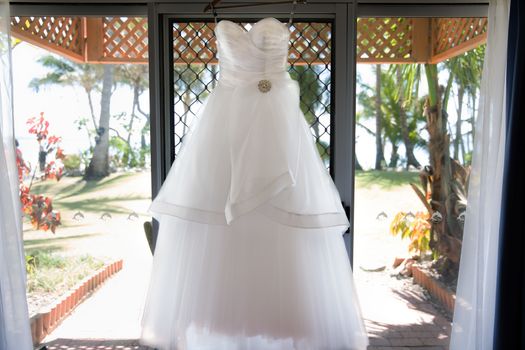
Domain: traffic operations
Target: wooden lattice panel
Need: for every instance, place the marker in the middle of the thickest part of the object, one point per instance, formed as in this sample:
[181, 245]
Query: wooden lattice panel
[379, 40]
[63, 35]
[125, 39]
[384, 40]
[452, 36]
[310, 43]
[195, 42]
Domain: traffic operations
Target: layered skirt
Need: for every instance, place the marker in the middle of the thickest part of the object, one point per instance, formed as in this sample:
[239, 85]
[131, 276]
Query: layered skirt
[250, 253]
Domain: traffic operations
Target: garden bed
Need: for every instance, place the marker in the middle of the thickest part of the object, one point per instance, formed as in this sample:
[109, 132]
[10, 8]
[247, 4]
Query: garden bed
[437, 289]
[49, 275]
[49, 317]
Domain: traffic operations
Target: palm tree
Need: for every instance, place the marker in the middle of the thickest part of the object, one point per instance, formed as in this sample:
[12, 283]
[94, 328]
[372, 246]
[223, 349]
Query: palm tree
[66, 73]
[465, 70]
[397, 115]
[407, 81]
[447, 180]
[136, 77]
[380, 157]
[90, 78]
[99, 165]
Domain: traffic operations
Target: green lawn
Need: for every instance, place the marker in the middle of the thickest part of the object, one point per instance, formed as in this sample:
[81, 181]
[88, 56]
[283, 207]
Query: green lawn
[117, 195]
[386, 180]
[112, 195]
[57, 261]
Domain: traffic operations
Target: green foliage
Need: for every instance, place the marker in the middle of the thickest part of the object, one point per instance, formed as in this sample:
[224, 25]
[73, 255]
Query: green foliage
[72, 162]
[52, 272]
[431, 73]
[314, 100]
[67, 73]
[385, 180]
[123, 154]
[393, 91]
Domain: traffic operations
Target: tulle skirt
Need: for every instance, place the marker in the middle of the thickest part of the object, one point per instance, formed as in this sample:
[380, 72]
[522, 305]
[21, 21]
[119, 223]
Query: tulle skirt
[253, 285]
[250, 254]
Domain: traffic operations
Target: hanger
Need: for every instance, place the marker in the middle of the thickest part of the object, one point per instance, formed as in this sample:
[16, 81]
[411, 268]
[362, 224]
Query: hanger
[214, 12]
[212, 5]
[292, 12]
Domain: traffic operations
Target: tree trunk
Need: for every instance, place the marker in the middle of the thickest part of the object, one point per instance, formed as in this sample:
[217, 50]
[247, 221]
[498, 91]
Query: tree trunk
[457, 139]
[99, 164]
[405, 133]
[474, 109]
[379, 118]
[394, 158]
[357, 164]
[446, 232]
[143, 132]
[91, 109]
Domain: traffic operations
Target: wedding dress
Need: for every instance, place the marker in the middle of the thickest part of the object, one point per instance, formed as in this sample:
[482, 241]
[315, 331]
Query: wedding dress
[250, 254]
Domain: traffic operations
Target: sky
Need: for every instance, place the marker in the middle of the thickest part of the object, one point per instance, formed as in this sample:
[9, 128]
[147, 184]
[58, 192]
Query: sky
[60, 105]
[63, 105]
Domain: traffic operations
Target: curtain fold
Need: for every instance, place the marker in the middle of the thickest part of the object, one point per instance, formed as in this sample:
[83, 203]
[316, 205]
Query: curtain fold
[14, 318]
[510, 306]
[473, 326]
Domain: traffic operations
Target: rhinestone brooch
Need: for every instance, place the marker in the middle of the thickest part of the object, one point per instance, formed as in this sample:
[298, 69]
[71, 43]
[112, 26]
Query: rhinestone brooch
[264, 85]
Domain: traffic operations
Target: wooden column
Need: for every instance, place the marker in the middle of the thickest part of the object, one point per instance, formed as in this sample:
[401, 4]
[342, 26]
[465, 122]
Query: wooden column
[94, 39]
[421, 39]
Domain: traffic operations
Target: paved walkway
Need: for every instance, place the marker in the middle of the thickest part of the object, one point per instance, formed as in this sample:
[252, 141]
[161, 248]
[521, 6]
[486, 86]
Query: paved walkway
[397, 314]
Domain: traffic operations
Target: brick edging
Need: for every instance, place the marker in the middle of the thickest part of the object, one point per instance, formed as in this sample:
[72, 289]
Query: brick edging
[45, 321]
[445, 297]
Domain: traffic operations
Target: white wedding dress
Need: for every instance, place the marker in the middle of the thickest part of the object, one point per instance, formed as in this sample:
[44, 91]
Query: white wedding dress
[250, 254]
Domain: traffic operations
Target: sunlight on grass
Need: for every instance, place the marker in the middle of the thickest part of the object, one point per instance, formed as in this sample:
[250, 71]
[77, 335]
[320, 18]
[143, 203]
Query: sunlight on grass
[55, 243]
[117, 194]
[385, 179]
[50, 272]
[70, 187]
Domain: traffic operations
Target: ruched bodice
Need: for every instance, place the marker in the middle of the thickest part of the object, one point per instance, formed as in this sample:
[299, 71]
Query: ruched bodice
[256, 54]
[253, 151]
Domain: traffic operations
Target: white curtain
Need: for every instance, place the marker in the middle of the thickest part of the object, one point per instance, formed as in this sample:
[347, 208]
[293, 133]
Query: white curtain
[14, 319]
[473, 327]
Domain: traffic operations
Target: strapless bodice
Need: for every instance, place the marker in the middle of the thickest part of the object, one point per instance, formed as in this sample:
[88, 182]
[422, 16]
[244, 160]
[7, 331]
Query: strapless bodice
[256, 54]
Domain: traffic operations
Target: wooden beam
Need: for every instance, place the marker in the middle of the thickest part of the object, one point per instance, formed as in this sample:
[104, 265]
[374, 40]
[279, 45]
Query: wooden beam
[421, 40]
[94, 43]
[459, 49]
[44, 44]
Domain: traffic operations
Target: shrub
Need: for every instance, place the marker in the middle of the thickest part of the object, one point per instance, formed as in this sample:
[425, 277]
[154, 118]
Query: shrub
[415, 227]
[72, 162]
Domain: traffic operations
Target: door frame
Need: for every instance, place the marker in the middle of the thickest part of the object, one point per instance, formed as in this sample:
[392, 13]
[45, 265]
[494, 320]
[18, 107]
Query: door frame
[342, 13]
[342, 131]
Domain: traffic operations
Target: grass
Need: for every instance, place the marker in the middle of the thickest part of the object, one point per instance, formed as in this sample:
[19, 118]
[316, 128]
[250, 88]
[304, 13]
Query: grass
[113, 194]
[385, 180]
[77, 186]
[56, 262]
[50, 272]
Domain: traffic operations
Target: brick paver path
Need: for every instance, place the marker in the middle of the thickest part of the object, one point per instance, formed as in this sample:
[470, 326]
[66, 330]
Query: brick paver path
[396, 313]
[398, 316]
[94, 344]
